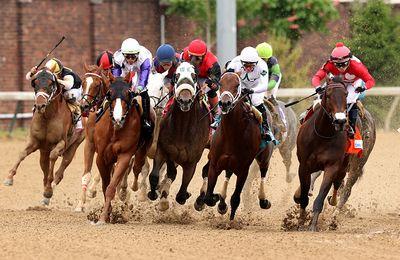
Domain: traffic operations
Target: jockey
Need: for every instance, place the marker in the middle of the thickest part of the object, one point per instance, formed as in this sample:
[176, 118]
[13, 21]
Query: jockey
[105, 60]
[132, 57]
[253, 72]
[264, 50]
[355, 75]
[72, 85]
[208, 69]
[166, 60]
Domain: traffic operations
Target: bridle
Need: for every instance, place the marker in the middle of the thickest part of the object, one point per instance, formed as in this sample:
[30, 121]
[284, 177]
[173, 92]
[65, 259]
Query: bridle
[96, 100]
[54, 86]
[234, 100]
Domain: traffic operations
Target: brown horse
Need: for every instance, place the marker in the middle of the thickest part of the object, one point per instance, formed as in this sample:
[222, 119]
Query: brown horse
[95, 85]
[117, 138]
[235, 144]
[321, 145]
[182, 139]
[51, 132]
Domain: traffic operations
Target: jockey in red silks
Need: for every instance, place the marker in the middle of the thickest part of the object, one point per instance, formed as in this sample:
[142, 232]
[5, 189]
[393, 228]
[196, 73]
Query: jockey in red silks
[208, 69]
[354, 74]
[105, 60]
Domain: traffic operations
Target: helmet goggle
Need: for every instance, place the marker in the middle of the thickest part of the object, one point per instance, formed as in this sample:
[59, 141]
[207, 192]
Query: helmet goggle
[342, 64]
[195, 57]
[130, 56]
[249, 65]
[166, 63]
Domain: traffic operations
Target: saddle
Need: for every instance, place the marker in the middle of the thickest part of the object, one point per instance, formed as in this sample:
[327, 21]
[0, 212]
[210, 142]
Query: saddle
[355, 146]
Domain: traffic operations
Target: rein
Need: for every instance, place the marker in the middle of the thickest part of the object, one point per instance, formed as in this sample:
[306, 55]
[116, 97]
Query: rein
[95, 99]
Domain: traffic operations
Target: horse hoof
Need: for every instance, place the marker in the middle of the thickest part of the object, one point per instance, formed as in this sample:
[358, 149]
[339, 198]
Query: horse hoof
[199, 204]
[45, 201]
[48, 194]
[135, 186]
[181, 199]
[296, 200]
[99, 223]
[79, 209]
[265, 204]
[152, 195]
[313, 228]
[222, 208]
[310, 194]
[211, 201]
[91, 193]
[163, 205]
[8, 182]
[331, 201]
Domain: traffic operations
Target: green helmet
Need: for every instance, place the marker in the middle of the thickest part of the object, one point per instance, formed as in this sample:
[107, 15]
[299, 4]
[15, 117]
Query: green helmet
[264, 50]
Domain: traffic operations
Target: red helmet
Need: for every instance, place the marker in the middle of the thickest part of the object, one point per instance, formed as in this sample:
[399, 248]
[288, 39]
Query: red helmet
[105, 60]
[197, 48]
[341, 53]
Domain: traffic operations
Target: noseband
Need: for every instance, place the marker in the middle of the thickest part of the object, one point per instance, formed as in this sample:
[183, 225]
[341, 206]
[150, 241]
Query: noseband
[234, 99]
[48, 97]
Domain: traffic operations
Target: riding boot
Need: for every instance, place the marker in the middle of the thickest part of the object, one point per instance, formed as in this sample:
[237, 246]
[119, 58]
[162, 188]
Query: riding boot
[102, 109]
[217, 119]
[267, 134]
[353, 113]
[146, 123]
[75, 108]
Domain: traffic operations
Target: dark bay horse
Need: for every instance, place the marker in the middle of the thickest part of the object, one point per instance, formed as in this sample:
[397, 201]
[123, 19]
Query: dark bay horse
[183, 137]
[117, 138]
[95, 85]
[321, 145]
[235, 144]
[51, 132]
[356, 165]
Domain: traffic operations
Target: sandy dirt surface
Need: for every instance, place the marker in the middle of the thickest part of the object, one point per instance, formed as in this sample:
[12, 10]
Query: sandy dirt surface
[370, 231]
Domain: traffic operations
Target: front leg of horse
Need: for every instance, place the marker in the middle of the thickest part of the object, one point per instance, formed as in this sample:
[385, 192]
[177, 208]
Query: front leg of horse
[199, 203]
[89, 151]
[30, 148]
[154, 175]
[68, 155]
[314, 177]
[286, 154]
[48, 183]
[222, 206]
[165, 185]
[188, 172]
[235, 199]
[122, 187]
[301, 194]
[346, 190]
[211, 199]
[323, 192]
[120, 168]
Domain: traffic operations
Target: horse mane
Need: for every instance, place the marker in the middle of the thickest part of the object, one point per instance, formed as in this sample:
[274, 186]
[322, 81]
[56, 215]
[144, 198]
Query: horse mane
[92, 68]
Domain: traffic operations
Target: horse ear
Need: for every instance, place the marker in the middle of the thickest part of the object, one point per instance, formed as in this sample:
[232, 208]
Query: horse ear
[85, 67]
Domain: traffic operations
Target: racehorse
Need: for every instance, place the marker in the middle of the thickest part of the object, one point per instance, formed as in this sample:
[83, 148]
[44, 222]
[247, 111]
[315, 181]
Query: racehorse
[235, 144]
[51, 132]
[95, 85]
[355, 169]
[117, 138]
[321, 145]
[184, 133]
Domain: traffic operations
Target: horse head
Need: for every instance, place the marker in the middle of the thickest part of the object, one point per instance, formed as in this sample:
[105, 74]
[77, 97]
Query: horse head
[230, 91]
[45, 86]
[185, 86]
[95, 85]
[334, 102]
[120, 100]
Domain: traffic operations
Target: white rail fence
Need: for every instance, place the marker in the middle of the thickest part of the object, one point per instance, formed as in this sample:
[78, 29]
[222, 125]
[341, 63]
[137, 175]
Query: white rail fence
[283, 92]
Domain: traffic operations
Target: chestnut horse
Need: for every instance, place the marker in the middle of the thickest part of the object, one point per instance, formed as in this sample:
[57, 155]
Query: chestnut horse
[235, 144]
[51, 132]
[184, 134]
[95, 85]
[321, 145]
[117, 138]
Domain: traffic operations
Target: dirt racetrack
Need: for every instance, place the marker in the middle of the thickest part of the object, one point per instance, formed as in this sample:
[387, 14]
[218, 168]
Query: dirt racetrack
[370, 231]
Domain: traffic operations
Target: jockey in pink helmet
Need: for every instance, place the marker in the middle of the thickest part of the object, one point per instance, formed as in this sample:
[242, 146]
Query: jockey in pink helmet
[354, 74]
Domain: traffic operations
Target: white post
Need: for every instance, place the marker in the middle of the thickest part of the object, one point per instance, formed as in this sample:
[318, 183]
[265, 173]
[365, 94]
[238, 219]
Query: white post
[226, 30]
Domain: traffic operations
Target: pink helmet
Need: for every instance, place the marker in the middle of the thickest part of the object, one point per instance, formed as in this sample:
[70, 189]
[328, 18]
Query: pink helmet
[341, 53]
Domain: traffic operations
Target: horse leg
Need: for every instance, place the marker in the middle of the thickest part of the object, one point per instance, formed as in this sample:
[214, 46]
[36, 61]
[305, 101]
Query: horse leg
[122, 187]
[120, 168]
[210, 198]
[158, 161]
[286, 154]
[105, 173]
[68, 155]
[332, 199]
[199, 203]
[264, 203]
[314, 177]
[235, 199]
[166, 185]
[30, 148]
[48, 186]
[222, 207]
[346, 190]
[44, 165]
[187, 175]
[301, 194]
[140, 165]
[323, 192]
[88, 152]
[247, 189]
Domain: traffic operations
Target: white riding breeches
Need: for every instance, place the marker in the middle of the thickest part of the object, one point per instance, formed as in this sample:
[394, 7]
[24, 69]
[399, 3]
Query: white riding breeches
[257, 99]
[73, 93]
[352, 96]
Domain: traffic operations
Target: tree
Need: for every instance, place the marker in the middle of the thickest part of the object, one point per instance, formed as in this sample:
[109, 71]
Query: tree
[375, 39]
[287, 18]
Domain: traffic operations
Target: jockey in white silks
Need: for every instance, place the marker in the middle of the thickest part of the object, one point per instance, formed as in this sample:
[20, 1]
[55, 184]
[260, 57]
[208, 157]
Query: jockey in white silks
[253, 72]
